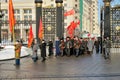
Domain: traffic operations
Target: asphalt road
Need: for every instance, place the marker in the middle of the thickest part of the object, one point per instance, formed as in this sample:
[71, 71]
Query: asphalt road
[86, 67]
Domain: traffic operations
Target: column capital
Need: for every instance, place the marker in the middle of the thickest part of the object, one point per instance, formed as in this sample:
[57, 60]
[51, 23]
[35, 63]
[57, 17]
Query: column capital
[107, 2]
[38, 1]
[59, 1]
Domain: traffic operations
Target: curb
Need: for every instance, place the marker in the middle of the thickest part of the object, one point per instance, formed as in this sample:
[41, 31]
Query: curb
[14, 58]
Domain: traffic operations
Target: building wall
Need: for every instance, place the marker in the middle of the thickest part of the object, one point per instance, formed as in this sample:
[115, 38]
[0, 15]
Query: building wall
[96, 28]
[22, 12]
[90, 15]
[86, 16]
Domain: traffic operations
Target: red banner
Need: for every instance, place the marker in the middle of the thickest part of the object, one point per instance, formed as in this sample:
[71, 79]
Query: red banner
[11, 16]
[72, 27]
[30, 37]
[41, 30]
[68, 13]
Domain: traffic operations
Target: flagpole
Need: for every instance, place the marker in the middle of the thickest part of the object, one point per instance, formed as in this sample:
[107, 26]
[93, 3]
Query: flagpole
[13, 36]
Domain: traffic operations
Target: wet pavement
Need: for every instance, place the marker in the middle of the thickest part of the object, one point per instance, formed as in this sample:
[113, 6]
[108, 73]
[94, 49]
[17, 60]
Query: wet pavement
[86, 67]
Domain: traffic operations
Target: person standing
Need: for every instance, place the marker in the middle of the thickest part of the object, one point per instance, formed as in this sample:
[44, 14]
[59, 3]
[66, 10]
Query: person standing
[35, 49]
[90, 46]
[57, 49]
[50, 48]
[106, 48]
[43, 50]
[97, 44]
[62, 46]
[68, 46]
[18, 46]
[82, 46]
[77, 46]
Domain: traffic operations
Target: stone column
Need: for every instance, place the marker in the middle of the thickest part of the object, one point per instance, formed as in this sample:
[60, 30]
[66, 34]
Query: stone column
[59, 19]
[38, 15]
[107, 26]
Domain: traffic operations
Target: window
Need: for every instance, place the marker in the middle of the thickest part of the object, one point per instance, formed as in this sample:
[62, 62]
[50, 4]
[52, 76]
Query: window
[5, 11]
[25, 17]
[65, 5]
[30, 17]
[26, 11]
[76, 17]
[65, 24]
[17, 11]
[76, 5]
[18, 17]
[52, 5]
[75, 0]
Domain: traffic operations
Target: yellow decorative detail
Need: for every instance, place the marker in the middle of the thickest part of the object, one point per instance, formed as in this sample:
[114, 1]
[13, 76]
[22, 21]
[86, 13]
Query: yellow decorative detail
[107, 3]
[49, 6]
[118, 28]
[38, 4]
[59, 4]
[49, 28]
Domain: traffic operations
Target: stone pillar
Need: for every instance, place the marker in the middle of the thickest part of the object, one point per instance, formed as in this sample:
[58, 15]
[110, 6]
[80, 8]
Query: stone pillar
[59, 19]
[38, 15]
[107, 28]
[101, 28]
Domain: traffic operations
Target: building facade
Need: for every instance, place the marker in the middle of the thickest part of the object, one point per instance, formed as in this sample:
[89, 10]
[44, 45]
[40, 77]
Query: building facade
[25, 13]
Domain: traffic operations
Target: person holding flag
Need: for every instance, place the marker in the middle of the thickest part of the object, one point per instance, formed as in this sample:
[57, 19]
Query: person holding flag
[33, 43]
[17, 44]
[43, 43]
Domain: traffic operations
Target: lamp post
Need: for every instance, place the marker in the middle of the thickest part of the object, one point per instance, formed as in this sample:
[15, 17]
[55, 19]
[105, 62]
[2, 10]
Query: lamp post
[1, 15]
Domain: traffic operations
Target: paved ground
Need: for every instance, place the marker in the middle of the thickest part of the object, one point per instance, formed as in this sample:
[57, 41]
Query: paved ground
[86, 67]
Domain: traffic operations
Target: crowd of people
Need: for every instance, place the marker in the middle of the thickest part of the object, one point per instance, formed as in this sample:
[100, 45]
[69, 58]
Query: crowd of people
[66, 47]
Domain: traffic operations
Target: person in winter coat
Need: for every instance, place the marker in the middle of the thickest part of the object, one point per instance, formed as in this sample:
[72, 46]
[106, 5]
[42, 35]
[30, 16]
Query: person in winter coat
[68, 46]
[57, 49]
[97, 44]
[35, 49]
[43, 50]
[77, 47]
[50, 48]
[90, 46]
[62, 47]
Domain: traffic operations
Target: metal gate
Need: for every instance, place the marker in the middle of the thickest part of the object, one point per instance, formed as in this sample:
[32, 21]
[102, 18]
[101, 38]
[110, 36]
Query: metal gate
[49, 23]
[115, 29]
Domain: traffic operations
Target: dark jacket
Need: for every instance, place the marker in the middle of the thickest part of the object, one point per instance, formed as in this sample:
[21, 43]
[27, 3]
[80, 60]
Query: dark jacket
[43, 49]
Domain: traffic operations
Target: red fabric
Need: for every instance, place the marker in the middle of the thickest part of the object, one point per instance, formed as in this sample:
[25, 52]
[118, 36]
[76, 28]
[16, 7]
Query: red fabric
[88, 35]
[40, 35]
[78, 22]
[30, 37]
[68, 13]
[71, 28]
[11, 16]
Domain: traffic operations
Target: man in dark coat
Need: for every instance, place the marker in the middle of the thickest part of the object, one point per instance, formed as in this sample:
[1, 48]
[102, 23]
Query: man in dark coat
[43, 50]
[68, 46]
[50, 49]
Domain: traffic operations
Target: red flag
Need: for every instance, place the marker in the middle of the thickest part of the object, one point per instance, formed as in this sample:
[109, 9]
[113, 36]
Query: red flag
[11, 16]
[88, 35]
[71, 28]
[78, 22]
[30, 37]
[68, 13]
[40, 35]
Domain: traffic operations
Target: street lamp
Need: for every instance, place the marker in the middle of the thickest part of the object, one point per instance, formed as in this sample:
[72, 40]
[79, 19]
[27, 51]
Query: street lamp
[1, 15]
